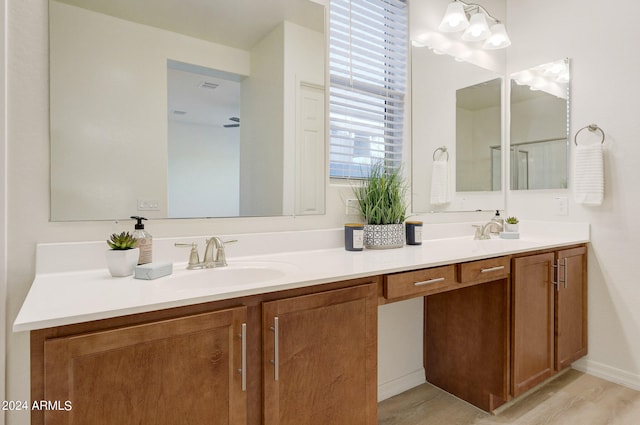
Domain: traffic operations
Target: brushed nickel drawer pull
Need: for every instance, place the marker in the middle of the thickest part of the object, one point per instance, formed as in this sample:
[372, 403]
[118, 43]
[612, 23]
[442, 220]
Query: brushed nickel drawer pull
[492, 269]
[556, 276]
[244, 356]
[566, 273]
[427, 282]
[276, 349]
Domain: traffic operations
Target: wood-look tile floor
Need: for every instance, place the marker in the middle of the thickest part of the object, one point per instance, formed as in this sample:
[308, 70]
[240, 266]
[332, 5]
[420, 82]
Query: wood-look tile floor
[574, 398]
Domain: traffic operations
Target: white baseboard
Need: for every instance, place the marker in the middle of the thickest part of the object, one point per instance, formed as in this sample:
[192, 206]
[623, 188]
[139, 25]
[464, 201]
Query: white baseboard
[389, 389]
[618, 376]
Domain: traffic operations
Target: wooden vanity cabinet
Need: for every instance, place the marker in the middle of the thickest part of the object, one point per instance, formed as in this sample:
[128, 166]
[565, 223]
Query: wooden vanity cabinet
[571, 307]
[549, 315]
[533, 321]
[187, 365]
[182, 370]
[466, 334]
[320, 358]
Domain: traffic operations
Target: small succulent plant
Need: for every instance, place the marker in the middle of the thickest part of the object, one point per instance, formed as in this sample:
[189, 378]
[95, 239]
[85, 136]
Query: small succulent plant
[512, 220]
[121, 241]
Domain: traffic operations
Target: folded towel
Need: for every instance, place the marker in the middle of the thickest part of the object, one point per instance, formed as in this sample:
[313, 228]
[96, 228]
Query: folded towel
[440, 193]
[589, 174]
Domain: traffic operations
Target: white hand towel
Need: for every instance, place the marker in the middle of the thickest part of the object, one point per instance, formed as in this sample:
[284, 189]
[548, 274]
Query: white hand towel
[440, 183]
[589, 174]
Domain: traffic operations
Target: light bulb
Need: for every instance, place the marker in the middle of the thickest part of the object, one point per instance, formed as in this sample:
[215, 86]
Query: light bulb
[454, 18]
[498, 38]
[478, 28]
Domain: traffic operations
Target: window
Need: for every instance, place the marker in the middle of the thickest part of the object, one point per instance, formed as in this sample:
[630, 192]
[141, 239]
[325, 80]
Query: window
[367, 62]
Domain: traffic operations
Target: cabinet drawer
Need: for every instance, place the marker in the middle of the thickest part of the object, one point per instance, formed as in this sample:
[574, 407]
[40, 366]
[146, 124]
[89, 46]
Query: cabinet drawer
[484, 270]
[419, 282]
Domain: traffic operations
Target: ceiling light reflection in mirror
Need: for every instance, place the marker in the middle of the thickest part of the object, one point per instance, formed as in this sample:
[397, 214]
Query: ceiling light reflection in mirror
[539, 126]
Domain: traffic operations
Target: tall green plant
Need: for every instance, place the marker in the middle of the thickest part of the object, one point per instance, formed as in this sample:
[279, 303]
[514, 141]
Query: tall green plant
[381, 196]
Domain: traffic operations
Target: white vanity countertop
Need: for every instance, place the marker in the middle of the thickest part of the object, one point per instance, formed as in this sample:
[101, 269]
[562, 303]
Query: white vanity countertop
[68, 297]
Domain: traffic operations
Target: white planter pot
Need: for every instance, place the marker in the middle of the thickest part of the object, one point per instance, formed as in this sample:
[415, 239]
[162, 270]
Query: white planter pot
[122, 262]
[384, 236]
[508, 227]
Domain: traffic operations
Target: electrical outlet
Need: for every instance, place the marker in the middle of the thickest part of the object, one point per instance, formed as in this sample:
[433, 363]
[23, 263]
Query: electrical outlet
[352, 207]
[148, 205]
[561, 205]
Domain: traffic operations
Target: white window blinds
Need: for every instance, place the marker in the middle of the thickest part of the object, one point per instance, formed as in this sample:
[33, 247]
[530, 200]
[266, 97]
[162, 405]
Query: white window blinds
[367, 62]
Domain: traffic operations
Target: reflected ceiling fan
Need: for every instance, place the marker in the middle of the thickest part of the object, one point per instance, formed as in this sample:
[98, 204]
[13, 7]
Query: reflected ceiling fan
[235, 124]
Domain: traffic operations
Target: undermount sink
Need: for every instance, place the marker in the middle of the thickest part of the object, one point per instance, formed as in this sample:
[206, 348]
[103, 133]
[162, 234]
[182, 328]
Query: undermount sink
[237, 273]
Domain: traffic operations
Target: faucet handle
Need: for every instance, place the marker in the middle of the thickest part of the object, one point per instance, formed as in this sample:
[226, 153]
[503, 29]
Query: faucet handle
[194, 257]
[221, 257]
[478, 234]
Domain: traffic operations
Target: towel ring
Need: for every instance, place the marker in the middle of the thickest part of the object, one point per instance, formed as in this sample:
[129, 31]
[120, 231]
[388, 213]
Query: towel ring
[442, 149]
[592, 128]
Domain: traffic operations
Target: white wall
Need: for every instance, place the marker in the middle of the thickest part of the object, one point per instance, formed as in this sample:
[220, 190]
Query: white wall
[604, 72]
[304, 63]
[203, 170]
[262, 109]
[287, 56]
[476, 132]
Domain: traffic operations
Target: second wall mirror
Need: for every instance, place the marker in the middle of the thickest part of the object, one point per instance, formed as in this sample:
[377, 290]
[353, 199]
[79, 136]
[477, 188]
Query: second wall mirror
[539, 130]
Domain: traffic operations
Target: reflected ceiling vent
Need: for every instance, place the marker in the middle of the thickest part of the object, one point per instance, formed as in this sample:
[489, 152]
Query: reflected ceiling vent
[208, 85]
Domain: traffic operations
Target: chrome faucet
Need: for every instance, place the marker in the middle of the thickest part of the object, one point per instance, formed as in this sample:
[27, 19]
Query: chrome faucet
[484, 231]
[210, 261]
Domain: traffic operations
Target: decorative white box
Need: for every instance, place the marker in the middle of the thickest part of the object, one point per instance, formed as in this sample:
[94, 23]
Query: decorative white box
[153, 270]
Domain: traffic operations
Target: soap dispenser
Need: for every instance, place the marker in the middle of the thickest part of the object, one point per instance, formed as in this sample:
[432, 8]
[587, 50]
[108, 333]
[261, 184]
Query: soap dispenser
[144, 241]
[498, 220]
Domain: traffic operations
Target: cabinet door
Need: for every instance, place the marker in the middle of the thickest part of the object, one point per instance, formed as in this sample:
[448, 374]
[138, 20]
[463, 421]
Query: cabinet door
[320, 358]
[571, 307]
[179, 371]
[533, 321]
[466, 343]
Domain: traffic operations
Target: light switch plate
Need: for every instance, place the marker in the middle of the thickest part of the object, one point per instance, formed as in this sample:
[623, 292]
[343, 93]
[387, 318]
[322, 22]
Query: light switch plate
[352, 207]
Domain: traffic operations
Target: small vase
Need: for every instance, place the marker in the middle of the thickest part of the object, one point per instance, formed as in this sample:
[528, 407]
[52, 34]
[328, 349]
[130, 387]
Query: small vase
[122, 262]
[384, 236]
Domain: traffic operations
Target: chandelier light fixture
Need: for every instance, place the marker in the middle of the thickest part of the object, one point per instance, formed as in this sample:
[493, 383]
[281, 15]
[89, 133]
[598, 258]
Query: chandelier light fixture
[478, 25]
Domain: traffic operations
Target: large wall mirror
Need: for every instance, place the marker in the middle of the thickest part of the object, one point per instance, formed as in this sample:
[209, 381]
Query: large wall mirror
[457, 109]
[456, 130]
[539, 126]
[186, 108]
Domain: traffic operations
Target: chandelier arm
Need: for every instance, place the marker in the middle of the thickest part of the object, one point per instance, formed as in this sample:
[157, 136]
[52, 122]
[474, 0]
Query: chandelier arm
[470, 6]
